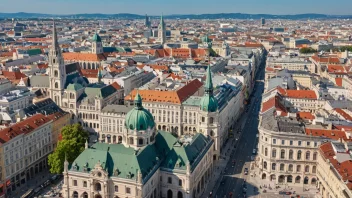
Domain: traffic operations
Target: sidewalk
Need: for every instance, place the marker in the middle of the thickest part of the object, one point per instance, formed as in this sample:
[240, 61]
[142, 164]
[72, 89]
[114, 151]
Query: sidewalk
[255, 181]
[219, 168]
[36, 181]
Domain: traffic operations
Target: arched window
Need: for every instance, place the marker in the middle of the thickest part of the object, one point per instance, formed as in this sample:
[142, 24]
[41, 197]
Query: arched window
[273, 153]
[140, 141]
[211, 120]
[98, 187]
[307, 155]
[314, 169]
[306, 169]
[298, 180]
[56, 73]
[290, 154]
[56, 85]
[314, 181]
[306, 180]
[75, 194]
[265, 165]
[179, 194]
[282, 167]
[169, 194]
[299, 155]
[273, 166]
[315, 156]
[85, 195]
[282, 155]
[290, 167]
[289, 179]
[298, 168]
[212, 133]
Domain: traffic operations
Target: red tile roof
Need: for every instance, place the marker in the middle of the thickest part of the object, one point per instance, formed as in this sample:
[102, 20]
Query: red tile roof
[344, 168]
[274, 102]
[116, 86]
[338, 82]
[90, 73]
[331, 134]
[176, 97]
[306, 115]
[302, 94]
[17, 75]
[343, 114]
[83, 56]
[24, 127]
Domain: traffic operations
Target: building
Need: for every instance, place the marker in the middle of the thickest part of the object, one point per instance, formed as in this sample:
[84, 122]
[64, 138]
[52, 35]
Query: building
[146, 163]
[25, 147]
[334, 169]
[16, 99]
[162, 31]
[73, 93]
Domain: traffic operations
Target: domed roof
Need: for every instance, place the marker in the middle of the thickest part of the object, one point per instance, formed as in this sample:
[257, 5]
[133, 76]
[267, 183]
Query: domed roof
[139, 118]
[96, 38]
[208, 102]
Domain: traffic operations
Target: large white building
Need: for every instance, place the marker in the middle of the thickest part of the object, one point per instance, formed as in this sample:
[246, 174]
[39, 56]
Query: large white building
[145, 163]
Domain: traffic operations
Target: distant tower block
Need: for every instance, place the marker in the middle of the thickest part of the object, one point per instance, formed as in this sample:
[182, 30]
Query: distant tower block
[262, 21]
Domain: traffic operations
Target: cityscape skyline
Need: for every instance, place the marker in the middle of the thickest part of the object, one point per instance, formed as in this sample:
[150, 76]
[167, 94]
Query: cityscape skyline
[156, 7]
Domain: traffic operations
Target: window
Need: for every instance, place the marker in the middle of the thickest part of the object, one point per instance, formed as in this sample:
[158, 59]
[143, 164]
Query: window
[74, 182]
[274, 141]
[298, 168]
[282, 155]
[116, 189]
[283, 142]
[84, 184]
[299, 154]
[314, 169]
[290, 167]
[307, 155]
[315, 144]
[282, 167]
[265, 165]
[180, 182]
[97, 187]
[315, 156]
[266, 152]
[128, 190]
[290, 154]
[273, 166]
[169, 180]
[273, 153]
[306, 169]
[299, 143]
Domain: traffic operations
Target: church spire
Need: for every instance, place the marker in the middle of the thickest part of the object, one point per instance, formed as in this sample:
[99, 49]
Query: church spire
[100, 76]
[209, 82]
[55, 44]
[138, 101]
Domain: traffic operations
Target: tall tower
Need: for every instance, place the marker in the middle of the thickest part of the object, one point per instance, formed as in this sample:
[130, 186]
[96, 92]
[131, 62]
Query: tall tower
[209, 123]
[162, 31]
[147, 21]
[57, 70]
[97, 46]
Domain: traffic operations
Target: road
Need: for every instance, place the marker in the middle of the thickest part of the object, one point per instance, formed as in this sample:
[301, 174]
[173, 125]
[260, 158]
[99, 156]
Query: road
[233, 176]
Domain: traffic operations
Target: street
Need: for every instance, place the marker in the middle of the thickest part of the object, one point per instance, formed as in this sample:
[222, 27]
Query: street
[233, 177]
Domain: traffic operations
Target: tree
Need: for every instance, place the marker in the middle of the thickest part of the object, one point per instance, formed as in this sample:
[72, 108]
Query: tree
[72, 145]
[307, 50]
[344, 48]
[212, 53]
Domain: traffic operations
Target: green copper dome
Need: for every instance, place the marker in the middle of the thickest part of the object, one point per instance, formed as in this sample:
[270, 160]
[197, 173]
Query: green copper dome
[96, 38]
[139, 118]
[208, 102]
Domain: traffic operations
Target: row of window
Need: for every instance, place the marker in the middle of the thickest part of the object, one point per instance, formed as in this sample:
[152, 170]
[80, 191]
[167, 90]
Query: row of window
[289, 168]
[290, 154]
[97, 186]
[291, 142]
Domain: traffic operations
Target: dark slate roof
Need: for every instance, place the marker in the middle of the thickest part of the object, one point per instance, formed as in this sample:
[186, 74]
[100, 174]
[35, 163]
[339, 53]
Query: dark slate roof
[45, 107]
[73, 67]
[76, 78]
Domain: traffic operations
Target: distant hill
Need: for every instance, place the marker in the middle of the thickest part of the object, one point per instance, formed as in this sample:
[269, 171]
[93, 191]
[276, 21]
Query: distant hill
[177, 16]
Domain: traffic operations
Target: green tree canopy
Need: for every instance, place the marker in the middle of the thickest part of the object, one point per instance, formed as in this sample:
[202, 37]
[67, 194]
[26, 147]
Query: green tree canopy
[72, 144]
[307, 50]
[212, 53]
[344, 48]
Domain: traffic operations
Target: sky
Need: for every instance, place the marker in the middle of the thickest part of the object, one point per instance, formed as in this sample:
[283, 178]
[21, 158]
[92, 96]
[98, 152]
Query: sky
[156, 7]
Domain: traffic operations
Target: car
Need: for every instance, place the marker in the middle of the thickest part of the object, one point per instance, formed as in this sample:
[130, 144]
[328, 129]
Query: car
[254, 151]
